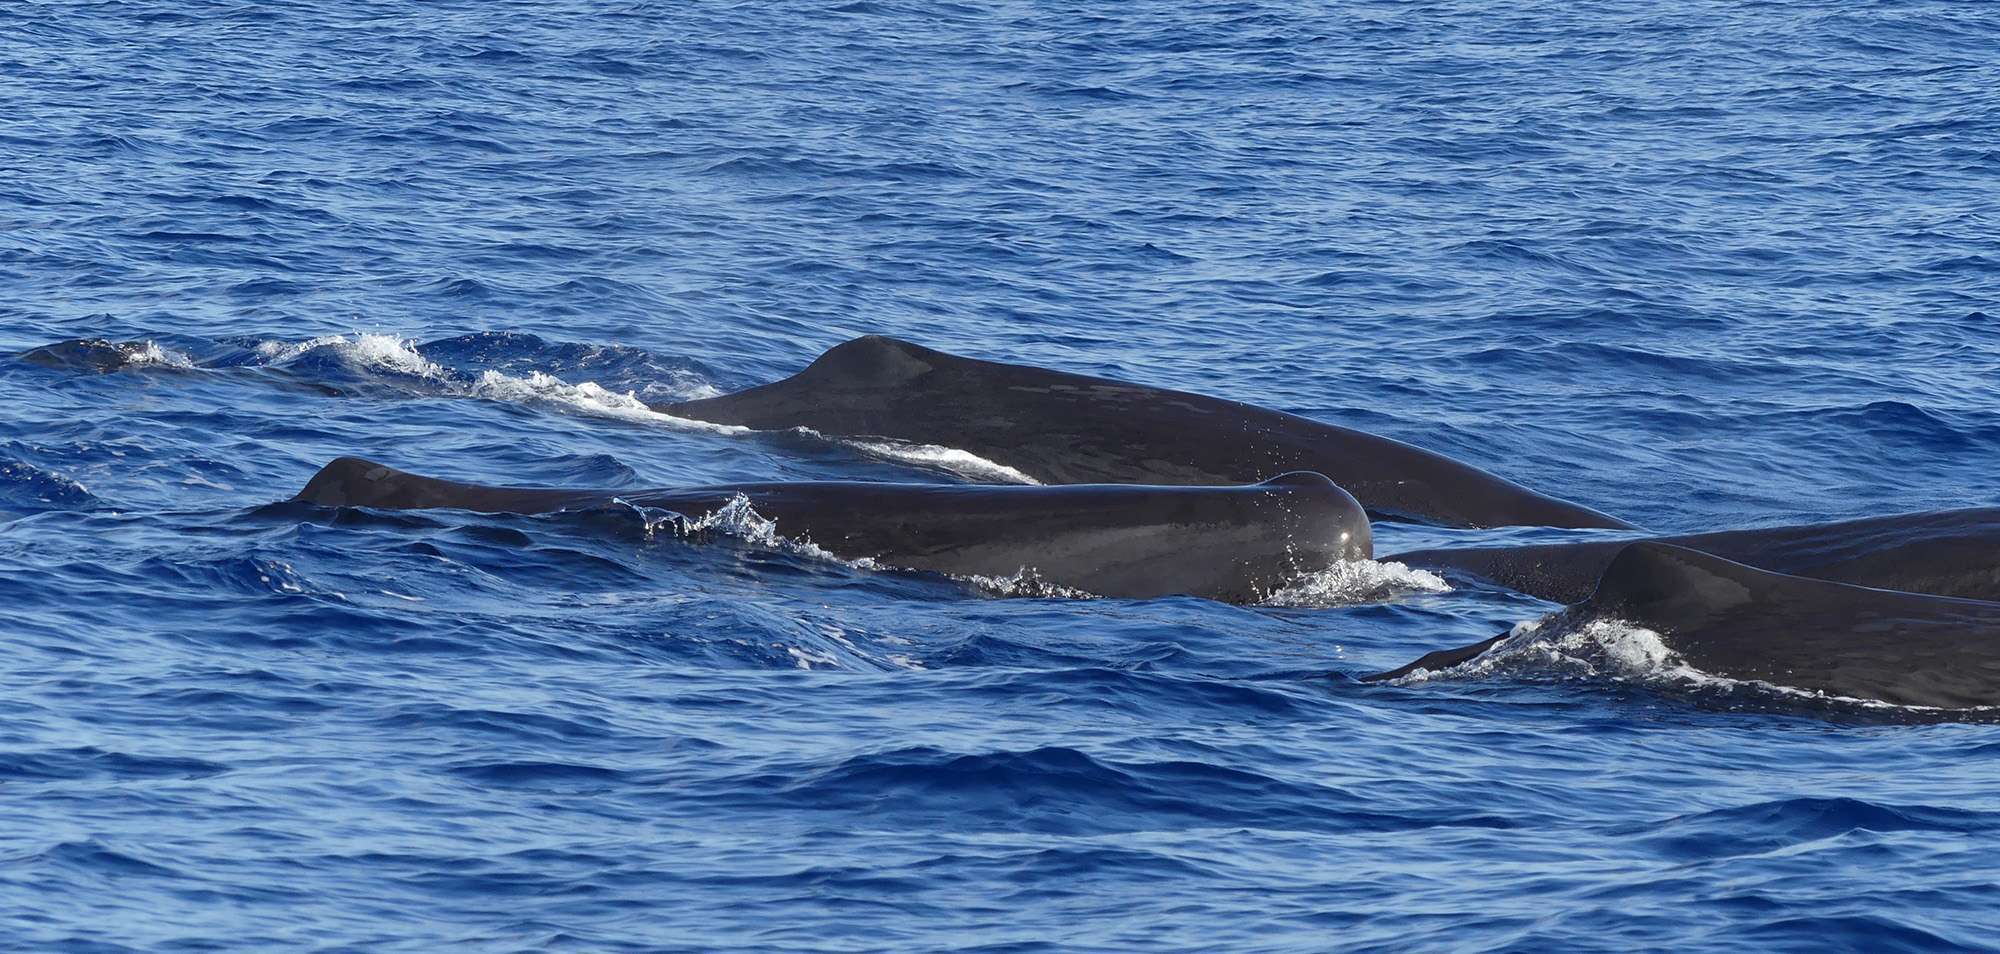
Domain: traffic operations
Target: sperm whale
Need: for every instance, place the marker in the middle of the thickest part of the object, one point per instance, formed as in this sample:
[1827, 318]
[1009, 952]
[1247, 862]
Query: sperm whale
[1235, 543]
[1728, 619]
[1941, 552]
[1064, 428]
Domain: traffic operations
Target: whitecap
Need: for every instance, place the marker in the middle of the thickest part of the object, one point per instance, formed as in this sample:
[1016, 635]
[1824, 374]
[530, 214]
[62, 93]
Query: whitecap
[152, 354]
[365, 352]
[1356, 581]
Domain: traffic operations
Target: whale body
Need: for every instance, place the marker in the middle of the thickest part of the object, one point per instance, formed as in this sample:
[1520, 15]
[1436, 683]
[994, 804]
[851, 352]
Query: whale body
[1732, 620]
[1236, 543]
[1061, 428]
[1943, 553]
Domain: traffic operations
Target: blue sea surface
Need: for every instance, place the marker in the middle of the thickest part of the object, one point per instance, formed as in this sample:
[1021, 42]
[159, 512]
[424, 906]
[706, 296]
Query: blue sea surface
[1708, 264]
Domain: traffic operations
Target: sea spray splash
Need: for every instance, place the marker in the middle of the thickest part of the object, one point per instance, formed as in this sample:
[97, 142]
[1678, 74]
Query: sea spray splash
[401, 357]
[1356, 581]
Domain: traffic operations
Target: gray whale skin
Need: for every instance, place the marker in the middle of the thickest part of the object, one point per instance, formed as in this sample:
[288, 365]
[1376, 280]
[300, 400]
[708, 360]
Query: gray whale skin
[1069, 428]
[1236, 544]
[1728, 619]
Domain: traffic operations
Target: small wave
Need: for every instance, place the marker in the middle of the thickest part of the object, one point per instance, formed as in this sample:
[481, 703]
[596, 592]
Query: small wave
[90, 761]
[1068, 790]
[250, 574]
[98, 857]
[23, 486]
[811, 659]
[403, 357]
[616, 367]
[1356, 581]
[561, 776]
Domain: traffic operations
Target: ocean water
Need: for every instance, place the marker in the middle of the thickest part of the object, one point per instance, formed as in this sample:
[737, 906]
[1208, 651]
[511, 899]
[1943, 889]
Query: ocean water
[1700, 265]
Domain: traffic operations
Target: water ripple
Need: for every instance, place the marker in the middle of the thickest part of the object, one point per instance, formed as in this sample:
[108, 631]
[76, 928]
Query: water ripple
[1729, 263]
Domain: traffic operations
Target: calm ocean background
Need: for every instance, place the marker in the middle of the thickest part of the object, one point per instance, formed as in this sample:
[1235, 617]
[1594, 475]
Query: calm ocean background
[1700, 265]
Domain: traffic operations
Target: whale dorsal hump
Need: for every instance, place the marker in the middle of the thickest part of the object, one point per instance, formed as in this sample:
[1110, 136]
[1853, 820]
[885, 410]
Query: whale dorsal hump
[870, 361]
[1667, 587]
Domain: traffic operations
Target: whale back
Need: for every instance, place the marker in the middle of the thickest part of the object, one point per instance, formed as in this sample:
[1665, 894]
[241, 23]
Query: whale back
[1943, 553]
[1062, 428]
[1234, 543]
[1731, 620]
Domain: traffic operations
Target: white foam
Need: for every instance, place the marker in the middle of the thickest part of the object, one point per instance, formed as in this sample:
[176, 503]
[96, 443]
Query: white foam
[1626, 652]
[1600, 647]
[951, 459]
[151, 354]
[589, 397]
[680, 385]
[739, 518]
[1343, 584]
[1822, 696]
[394, 354]
[843, 651]
[807, 659]
[279, 576]
[368, 352]
[390, 353]
[1025, 582]
[279, 352]
[1617, 649]
[657, 520]
[397, 355]
[1356, 581]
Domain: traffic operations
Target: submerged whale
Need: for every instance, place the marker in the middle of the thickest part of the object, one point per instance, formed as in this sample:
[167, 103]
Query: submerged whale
[1236, 544]
[99, 355]
[1732, 620]
[1069, 428]
[1943, 553]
